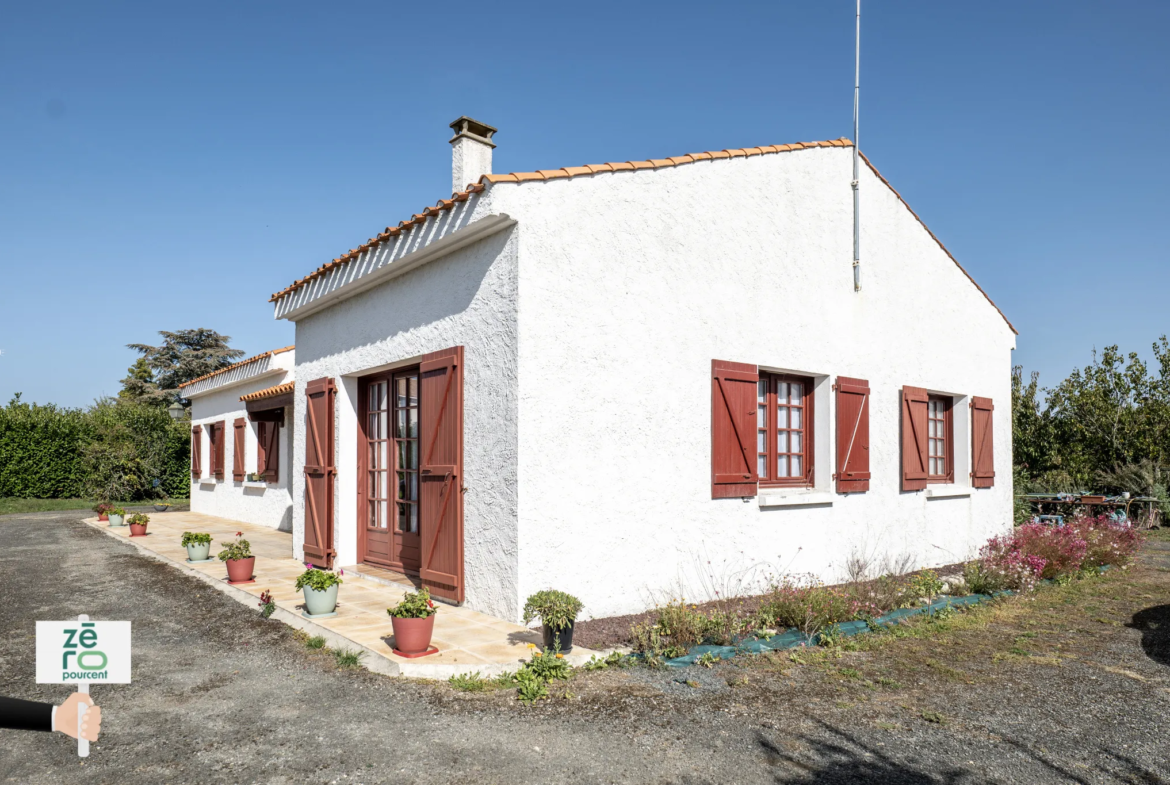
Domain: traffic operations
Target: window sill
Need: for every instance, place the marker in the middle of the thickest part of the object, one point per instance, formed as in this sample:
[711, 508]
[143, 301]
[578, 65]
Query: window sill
[948, 492]
[207, 481]
[793, 498]
[254, 484]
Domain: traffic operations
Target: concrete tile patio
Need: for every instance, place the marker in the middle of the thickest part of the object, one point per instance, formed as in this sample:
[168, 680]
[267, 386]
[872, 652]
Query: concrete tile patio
[467, 640]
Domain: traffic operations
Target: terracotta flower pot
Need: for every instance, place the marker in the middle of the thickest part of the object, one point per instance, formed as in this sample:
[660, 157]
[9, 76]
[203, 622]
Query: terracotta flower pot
[413, 636]
[240, 570]
[137, 529]
[103, 517]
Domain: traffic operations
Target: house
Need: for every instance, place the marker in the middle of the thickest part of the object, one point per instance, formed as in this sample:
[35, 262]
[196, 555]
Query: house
[646, 379]
[241, 440]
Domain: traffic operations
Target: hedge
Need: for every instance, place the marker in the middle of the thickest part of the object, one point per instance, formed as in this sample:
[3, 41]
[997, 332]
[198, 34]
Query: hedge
[50, 452]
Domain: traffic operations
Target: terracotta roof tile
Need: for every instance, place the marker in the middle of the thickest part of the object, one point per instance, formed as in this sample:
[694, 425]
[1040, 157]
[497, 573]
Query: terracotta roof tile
[575, 171]
[237, 365]
[270, 392]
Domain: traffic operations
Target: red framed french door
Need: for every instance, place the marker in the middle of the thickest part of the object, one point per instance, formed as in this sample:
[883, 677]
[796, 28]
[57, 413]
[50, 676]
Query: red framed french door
[389, 500]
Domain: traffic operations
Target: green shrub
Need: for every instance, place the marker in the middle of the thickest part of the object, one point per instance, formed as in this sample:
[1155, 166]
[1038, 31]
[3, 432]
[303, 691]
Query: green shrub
[676, 628]
[194, 538]
[111, 451]
[138, 519]
[555, 609]
[811, 607]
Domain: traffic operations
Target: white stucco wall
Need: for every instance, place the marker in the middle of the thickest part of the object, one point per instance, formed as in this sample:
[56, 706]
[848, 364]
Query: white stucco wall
[468, 298]
[632, 282]
[264, 504]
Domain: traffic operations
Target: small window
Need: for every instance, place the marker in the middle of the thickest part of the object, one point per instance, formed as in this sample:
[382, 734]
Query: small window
[940, 436]
[784, 430]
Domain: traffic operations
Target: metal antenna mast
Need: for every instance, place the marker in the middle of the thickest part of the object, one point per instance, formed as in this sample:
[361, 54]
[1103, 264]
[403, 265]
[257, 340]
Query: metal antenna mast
[856, 144]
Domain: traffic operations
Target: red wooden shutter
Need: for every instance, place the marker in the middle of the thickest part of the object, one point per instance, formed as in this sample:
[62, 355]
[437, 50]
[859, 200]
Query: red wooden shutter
[319, 472]
[982, 458]
[914, 441]
[268, 450]
[852, 435]
[238, 472]
[197, 451]
[220, 443]
[733, 429]
[441, 472]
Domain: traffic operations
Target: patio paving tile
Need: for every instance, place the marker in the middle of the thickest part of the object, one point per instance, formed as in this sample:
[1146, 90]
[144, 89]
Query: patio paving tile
[467, 640]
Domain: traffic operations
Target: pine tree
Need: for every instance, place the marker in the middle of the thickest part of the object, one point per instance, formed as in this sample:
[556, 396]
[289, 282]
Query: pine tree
[183, 356]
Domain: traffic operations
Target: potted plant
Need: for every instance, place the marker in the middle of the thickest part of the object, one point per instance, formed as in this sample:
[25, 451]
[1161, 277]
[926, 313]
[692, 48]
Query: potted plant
[557, 611]
[320, 587]
[103, 509]
[117, 516]
[237, 555]
[198, 546]
[138, 523]
[162, 506]
[413, 620]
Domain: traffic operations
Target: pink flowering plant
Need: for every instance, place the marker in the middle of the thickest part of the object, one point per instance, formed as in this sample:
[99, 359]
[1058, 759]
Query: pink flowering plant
[1036, 551]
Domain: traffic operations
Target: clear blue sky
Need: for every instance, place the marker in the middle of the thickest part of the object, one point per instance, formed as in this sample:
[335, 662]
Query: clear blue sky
[166, 165]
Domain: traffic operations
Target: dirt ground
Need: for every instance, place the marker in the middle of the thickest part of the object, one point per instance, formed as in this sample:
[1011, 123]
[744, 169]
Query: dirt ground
[1069, 685]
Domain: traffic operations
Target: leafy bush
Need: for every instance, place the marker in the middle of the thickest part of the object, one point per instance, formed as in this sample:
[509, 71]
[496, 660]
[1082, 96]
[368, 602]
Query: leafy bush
[238, 549]
[138, 519]
[810, 607]
[194, 538]
[117, 511]
[556, 609]
[102, 508]
[114, 450]
[676, 628]
[926, 585]
[414, 605]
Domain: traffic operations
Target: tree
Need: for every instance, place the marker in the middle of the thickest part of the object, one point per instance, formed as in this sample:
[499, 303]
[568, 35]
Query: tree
[183, 356]
[1033, 441]
[139, 386]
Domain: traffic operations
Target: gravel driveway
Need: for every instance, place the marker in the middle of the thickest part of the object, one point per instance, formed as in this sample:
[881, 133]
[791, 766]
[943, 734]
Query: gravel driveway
[222, 697]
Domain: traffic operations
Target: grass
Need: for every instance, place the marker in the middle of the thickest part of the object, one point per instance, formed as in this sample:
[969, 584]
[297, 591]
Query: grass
[316, 642]
[14, 506]
[347, 658]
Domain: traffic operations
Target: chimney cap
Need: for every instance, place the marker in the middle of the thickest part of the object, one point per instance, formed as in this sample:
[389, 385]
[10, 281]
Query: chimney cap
[473, 129]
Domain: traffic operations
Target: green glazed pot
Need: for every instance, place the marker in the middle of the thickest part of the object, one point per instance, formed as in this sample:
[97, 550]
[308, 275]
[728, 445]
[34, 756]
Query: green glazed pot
[117, 520]
[319, 602]
[198, 551]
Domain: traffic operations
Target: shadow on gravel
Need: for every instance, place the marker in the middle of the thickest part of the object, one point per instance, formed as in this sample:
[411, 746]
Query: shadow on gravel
[1154, 624]
[843, 758]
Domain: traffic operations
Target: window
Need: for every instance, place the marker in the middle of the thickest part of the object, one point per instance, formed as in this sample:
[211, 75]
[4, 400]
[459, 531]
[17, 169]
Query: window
[784, 448]
[940, 436]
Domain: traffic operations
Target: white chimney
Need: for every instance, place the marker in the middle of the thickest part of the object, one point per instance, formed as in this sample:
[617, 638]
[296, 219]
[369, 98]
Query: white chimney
[471, 152]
